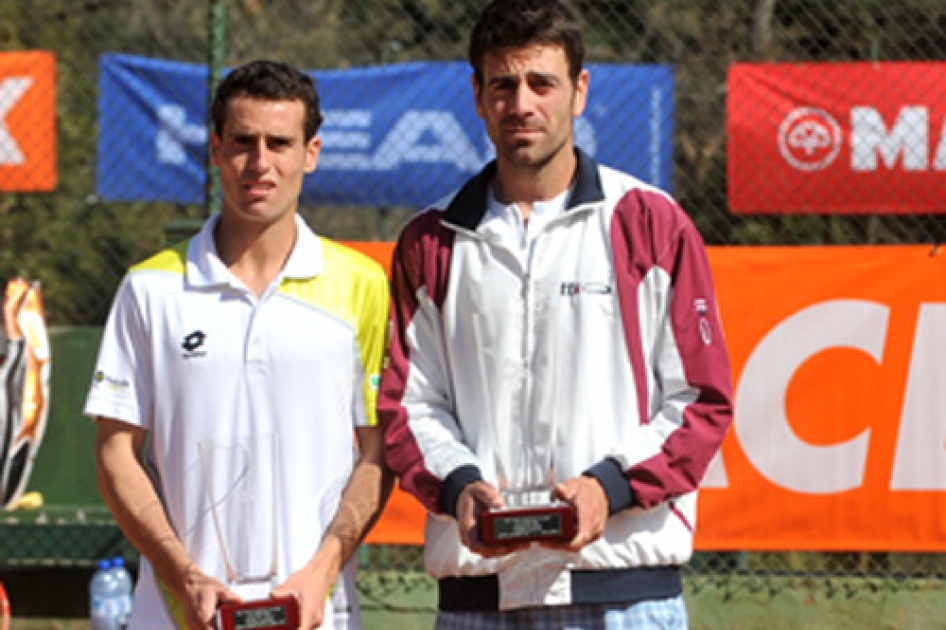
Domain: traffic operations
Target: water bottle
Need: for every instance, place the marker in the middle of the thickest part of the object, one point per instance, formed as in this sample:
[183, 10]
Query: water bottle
[124, 588]
[102, 599]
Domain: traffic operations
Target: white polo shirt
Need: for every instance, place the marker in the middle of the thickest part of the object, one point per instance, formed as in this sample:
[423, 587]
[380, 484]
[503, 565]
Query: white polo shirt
[191, 355]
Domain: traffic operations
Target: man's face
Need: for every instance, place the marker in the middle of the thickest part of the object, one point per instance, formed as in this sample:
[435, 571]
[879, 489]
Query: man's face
[263, 159]
[528, 102]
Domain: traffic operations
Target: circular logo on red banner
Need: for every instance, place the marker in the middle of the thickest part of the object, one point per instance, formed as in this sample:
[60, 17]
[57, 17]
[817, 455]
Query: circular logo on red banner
[809, 139]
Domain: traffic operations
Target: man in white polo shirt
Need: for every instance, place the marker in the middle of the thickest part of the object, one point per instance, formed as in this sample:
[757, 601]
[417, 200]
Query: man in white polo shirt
[254, 332]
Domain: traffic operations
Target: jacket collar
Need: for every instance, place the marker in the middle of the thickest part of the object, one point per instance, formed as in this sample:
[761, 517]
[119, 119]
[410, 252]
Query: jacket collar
[469, 205]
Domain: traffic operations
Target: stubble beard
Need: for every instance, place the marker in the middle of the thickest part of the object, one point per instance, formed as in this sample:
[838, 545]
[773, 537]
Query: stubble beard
[533, 157]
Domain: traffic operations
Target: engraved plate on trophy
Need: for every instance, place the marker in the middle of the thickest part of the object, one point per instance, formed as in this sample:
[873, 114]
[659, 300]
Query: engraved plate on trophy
[240, 478]
[548, 520]
[525, 478]
[271, 613]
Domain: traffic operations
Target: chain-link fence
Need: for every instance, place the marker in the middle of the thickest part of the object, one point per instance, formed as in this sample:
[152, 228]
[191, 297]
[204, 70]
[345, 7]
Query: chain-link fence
[102, 211]
[78, 241]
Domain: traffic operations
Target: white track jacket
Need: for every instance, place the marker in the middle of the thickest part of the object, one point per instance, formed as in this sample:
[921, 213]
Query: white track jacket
[600, 354]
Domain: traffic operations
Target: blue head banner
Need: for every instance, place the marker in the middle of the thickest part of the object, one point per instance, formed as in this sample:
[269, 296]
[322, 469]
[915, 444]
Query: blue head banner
[397, 135]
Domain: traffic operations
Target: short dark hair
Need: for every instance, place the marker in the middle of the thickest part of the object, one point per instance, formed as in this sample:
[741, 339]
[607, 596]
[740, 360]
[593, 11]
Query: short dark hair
[270, 81]
[519, 23]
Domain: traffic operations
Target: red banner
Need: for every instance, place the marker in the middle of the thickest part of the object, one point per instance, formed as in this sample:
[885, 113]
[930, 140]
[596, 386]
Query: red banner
[839, 441]
[858, 138]
[27, 121]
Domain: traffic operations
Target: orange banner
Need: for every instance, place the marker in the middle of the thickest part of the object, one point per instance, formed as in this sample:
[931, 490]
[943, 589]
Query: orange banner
[839, 359]
[839, 441]
[27, 121]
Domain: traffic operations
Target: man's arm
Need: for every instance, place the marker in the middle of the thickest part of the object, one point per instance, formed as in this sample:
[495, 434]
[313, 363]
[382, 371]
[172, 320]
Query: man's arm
[682, 369]
[681, 428]
[424, 444]
[363, 500]
[133, 500]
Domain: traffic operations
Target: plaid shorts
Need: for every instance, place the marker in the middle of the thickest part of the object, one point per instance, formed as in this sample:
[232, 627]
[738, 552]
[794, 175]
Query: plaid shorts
[661, 614]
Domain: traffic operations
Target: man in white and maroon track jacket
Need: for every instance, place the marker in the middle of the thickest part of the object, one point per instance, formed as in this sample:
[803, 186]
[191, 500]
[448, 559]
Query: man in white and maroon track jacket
[560, 325]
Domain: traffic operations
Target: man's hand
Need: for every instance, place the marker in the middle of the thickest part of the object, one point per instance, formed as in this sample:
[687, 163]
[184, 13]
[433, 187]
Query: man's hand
[311, 589]
[474, 499]
[202, 596]
[591, 505]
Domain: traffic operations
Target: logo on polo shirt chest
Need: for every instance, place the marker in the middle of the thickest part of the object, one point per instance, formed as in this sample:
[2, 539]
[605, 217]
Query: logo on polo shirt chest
[193, 344]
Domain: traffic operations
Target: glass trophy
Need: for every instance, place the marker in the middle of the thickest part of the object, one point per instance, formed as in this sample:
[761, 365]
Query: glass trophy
[240, 478]
[530, 513]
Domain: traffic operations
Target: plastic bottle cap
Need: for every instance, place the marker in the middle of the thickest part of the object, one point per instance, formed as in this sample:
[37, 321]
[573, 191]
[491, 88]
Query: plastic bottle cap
[118, 561]
[104, 564]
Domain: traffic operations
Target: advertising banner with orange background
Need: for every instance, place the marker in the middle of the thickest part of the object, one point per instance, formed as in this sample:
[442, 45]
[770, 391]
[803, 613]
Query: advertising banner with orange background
[839, 367]
[27, 121]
